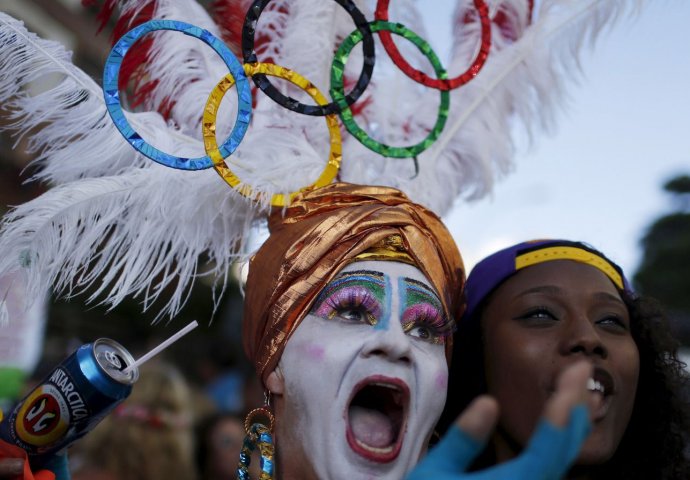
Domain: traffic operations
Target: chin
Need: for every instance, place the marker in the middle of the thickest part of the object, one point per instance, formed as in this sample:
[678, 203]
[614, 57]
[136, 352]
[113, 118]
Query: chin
[597, 450]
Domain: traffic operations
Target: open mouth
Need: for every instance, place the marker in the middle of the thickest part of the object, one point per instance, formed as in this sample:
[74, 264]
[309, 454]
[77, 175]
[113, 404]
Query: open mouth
[376, 418]
[602, 387]
[601, 382]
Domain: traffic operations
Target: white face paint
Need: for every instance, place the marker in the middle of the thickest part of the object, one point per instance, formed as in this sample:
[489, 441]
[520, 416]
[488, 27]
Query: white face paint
[362, 381]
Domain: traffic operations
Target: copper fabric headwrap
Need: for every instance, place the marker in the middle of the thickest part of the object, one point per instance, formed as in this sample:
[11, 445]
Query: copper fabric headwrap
[321, 232]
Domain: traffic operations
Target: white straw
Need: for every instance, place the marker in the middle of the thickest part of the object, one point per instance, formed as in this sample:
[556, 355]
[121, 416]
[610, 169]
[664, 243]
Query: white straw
[162, 346]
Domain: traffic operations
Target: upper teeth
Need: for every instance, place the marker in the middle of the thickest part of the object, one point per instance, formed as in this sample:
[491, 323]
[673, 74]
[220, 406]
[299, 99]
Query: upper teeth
[595, 386]
[385, 385]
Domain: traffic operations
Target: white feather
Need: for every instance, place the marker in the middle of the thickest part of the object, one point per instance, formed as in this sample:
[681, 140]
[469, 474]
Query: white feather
[186, 68]
[62, 110]
[135, 233]
[4, 314]
[117, 224]
[522, 85]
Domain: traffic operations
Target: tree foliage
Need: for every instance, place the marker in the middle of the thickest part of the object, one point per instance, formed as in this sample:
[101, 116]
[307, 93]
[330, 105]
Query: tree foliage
[680, 188]
[679, 184]
[665, 269]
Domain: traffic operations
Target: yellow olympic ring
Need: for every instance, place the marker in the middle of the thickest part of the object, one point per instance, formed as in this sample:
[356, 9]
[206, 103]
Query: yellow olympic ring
[211, 143]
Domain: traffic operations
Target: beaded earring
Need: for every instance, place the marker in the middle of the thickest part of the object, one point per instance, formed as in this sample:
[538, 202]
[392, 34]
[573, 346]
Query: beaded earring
[258, 434]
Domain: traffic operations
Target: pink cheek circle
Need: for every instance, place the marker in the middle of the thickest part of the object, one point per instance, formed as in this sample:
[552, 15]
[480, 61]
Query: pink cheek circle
[314, 352]
[441, 381]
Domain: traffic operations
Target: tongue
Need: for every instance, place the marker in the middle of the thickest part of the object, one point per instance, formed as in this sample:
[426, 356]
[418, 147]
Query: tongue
[371, 427]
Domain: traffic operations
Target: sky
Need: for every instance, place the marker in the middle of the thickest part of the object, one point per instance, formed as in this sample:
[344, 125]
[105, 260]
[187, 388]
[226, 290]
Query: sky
[599, 177]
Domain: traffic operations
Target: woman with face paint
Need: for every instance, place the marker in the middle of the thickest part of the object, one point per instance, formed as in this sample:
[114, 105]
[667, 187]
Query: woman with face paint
[349, 309]
[348, 317]
[537, 307]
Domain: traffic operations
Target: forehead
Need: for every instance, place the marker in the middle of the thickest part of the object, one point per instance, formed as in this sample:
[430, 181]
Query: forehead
[394, 270]
[569, 276]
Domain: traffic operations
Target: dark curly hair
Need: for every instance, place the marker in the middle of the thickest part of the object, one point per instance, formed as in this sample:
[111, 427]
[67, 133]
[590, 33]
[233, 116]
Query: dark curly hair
[656, 440]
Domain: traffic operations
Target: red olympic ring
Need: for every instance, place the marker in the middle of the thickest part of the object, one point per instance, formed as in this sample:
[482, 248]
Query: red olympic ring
[423, 78]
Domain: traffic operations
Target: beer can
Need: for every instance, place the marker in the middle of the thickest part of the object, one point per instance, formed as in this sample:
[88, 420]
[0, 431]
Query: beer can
[71, 400]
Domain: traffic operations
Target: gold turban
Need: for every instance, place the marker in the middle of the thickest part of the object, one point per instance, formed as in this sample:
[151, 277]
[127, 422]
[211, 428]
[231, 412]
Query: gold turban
[317, 236]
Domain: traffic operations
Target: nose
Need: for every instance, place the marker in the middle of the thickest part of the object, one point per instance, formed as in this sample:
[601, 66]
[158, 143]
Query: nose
[581, 337]
[391, 344]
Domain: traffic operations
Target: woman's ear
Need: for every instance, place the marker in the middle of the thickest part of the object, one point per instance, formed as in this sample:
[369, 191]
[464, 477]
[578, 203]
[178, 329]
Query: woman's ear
[275, 382]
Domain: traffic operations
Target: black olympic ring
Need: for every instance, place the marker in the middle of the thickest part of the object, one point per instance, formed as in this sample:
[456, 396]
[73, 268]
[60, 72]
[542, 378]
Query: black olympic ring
[262, 81]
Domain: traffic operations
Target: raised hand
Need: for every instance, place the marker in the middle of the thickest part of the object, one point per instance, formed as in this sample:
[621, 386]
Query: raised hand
[554, 446]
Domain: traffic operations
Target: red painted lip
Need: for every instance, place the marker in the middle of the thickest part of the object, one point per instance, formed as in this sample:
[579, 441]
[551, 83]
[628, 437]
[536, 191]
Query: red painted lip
[370, 453]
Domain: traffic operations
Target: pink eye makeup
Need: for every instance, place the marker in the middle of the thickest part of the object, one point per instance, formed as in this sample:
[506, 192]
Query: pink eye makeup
[354, 297]
[422, 313]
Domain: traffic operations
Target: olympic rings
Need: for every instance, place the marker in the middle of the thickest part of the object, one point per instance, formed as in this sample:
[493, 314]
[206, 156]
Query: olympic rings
[423, 78]
[216, 155]
[346, 114]
[211, 146]
[112, 94]
[259, 435]
[248, 30]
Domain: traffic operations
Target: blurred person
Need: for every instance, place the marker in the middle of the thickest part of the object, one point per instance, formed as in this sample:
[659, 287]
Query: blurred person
[219, 440]
[219, 372]
[147, 437]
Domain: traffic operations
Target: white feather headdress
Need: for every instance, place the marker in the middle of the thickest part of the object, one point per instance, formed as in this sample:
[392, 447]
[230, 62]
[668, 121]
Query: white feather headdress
[117, 224]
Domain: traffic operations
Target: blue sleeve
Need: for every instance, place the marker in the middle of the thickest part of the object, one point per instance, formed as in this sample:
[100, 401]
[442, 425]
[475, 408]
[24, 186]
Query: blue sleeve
[548, 456]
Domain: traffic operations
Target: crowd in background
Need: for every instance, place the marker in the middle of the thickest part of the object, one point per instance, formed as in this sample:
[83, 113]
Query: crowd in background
[185, 416]
[169, 427]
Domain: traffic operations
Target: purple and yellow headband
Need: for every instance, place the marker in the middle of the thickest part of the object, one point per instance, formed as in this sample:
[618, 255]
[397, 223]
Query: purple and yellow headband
[488, 274]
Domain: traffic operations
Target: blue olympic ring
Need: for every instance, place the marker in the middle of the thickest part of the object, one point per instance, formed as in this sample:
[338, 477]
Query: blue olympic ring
[112, 94]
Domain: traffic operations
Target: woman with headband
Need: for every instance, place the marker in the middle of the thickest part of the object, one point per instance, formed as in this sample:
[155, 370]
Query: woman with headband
[537, 307]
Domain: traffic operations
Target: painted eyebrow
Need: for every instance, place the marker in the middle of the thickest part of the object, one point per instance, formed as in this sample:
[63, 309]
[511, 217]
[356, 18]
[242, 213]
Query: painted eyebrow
[344, 279]
[370, 273]
[421, 285]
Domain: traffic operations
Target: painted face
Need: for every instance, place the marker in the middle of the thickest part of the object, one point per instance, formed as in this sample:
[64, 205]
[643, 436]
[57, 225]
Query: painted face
[542, 319]
[362, 380]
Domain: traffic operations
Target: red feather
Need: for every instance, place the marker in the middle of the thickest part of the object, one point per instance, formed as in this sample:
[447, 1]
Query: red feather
[503, 18]
[229, 16]
[133, 76]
